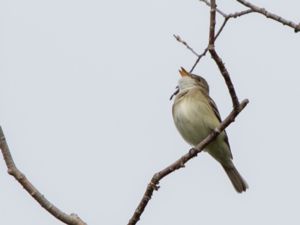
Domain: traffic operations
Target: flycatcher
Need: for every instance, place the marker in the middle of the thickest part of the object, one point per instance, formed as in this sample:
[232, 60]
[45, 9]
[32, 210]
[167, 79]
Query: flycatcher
[195, 115]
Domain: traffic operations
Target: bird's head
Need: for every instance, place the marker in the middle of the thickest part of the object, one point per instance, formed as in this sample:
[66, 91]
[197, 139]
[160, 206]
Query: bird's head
[188, 81]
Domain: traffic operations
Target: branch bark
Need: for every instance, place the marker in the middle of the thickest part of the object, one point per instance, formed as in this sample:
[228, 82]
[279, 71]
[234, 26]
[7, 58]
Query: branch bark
[217, 58]
[72, 219]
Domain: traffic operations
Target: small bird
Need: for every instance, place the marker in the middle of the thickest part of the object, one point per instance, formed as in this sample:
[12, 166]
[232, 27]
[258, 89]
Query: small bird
[195, 115]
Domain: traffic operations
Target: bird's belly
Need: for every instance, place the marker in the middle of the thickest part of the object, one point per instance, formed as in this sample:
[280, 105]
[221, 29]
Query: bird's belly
[194, 121]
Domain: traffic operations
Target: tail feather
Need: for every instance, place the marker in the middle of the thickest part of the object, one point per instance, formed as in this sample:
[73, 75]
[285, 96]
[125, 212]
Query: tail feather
[236, 179]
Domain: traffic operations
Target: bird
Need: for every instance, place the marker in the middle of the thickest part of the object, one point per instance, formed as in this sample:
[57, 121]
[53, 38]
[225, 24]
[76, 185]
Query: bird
[196, 115]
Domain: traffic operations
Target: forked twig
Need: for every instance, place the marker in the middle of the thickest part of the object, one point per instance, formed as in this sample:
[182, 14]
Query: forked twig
[227, 17]
[179, 39]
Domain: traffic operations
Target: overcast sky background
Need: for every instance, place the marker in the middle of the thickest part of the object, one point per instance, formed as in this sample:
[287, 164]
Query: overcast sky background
[85, 110]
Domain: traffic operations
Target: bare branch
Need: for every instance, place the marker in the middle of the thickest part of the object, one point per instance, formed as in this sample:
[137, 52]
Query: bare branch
[227, 18]
[241, 13]
[215, 56]
[270, 15]
[179, 39]
[198, 59]
[180, 163]
[72, 219]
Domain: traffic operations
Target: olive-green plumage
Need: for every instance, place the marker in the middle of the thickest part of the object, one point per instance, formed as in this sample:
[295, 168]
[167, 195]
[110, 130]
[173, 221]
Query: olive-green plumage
[195, 115]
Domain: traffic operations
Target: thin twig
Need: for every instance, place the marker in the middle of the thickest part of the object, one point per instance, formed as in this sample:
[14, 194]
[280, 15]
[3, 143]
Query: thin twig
[198, 59]
[241, 13]
[179, 39]
[72, 219]
[180, 163]
[270, 15]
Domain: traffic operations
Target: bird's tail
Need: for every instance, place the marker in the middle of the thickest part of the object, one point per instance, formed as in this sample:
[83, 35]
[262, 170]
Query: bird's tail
[236, 179]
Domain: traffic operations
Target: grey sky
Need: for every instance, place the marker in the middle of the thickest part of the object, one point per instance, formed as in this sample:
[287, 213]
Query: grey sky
[84, 106]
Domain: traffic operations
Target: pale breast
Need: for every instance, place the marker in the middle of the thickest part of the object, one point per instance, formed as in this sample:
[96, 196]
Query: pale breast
[193, 118]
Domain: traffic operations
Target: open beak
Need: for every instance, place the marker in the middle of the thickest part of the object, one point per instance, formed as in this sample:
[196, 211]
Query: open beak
[183, 72]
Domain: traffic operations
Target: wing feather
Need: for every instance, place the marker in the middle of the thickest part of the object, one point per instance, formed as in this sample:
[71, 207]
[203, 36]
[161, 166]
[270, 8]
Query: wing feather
[216, 111]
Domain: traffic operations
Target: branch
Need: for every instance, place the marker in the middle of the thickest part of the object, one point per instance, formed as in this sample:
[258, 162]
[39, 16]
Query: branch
[227, 17]
[270, 15]
[216, 57]
[179, 39]
[180, 163]
[72, 219]
[198, 59]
